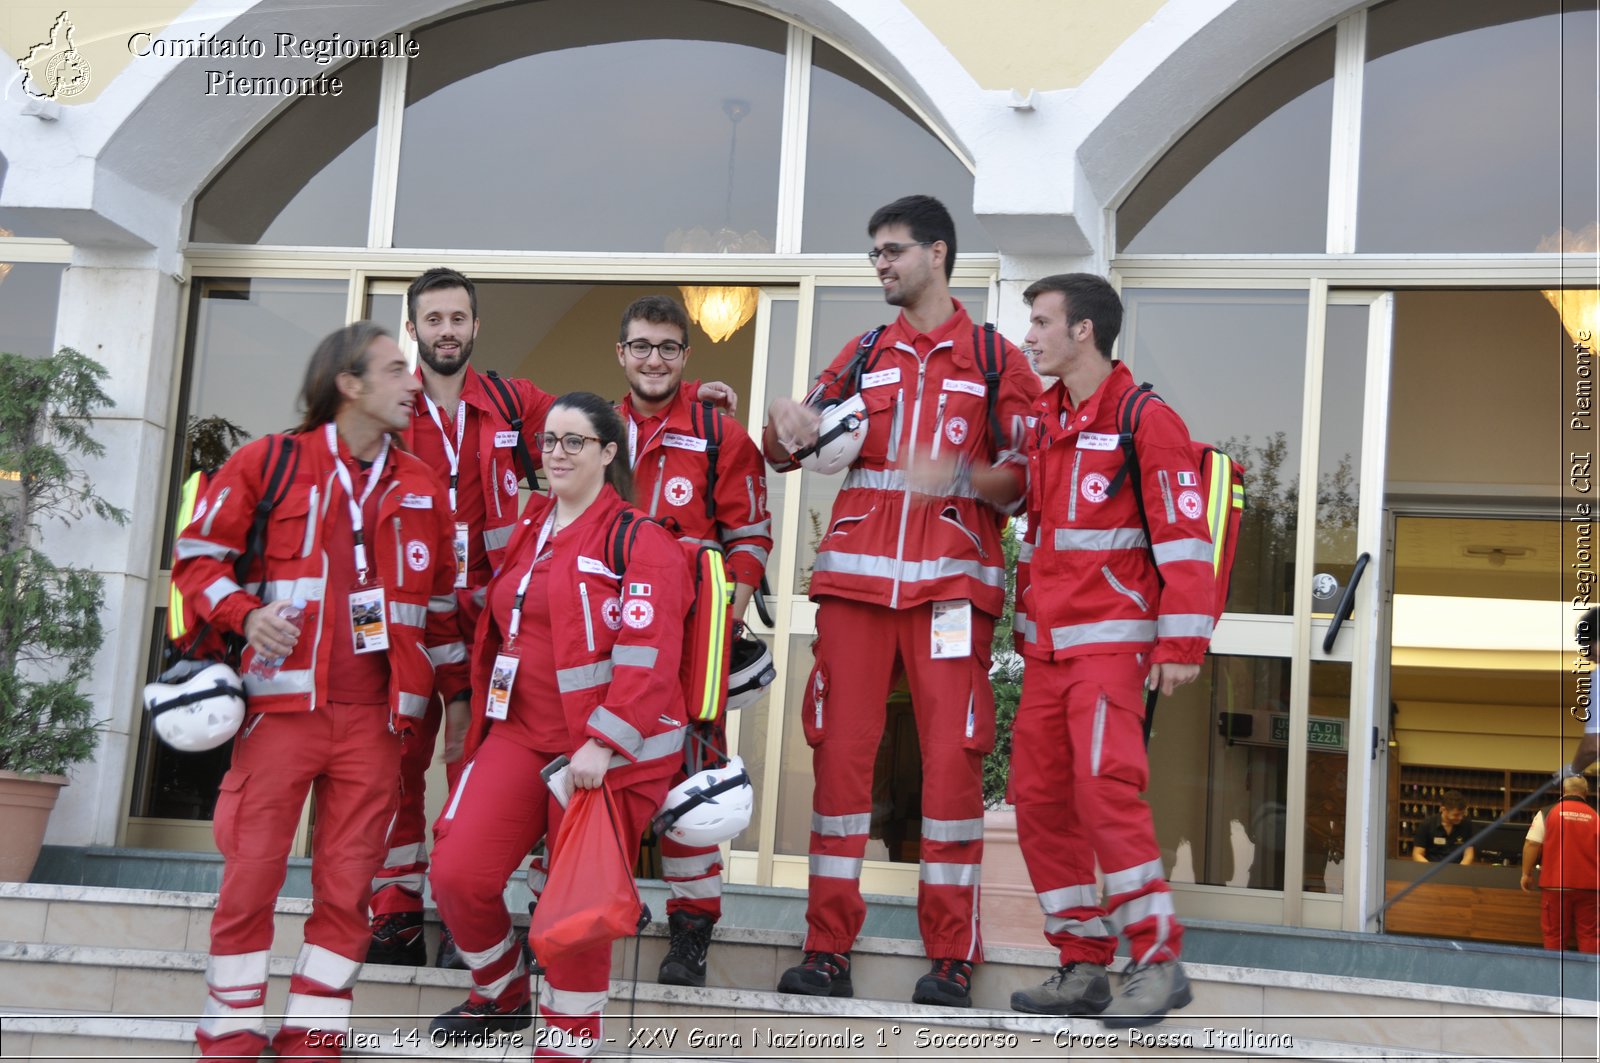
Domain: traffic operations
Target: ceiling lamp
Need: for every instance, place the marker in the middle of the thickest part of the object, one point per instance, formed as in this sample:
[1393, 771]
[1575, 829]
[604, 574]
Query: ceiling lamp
[721, 309]
[1579, 307]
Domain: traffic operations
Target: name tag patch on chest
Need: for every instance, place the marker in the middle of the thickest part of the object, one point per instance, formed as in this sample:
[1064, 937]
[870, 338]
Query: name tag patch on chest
[505, 439]
[883, 376]
[1098, 441]
[683, 442]
[410, 501]
[966, 387]
[595, 568]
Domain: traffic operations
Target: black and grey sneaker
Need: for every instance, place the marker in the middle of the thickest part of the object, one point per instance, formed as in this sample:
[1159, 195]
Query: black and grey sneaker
[1149, 991]
[948, 984]
[449, 957]
[397, 940]
[473, 1018]
[685, 963]
[1075, 989]
[820, 974]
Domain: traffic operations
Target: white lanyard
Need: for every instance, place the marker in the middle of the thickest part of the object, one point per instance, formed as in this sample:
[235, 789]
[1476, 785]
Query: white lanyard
[522, 588]
[452, 454]
[350, 494]
[633, 438]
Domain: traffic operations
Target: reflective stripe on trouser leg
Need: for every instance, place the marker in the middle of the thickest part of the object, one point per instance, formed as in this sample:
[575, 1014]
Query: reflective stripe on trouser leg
[1139, 903]
[572, 1021]
[695, 877]
[398, 887]
[319, 1000]
[234, 1019]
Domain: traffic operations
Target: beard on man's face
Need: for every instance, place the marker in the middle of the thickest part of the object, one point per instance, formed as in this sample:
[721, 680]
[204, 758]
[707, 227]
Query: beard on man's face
[445, 366]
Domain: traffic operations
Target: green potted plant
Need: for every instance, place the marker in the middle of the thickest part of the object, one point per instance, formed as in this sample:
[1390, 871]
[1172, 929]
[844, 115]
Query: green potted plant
[50, 625]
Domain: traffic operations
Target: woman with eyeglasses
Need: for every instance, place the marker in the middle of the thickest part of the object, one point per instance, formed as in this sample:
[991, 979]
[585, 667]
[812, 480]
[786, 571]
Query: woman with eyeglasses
[572, 659]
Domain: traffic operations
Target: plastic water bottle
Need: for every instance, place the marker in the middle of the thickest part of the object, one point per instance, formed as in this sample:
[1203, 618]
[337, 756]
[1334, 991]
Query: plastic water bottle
[267, 667]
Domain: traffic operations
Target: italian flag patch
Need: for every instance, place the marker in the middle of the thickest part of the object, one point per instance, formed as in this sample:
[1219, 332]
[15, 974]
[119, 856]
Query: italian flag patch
[638, 590]
[1187, 479]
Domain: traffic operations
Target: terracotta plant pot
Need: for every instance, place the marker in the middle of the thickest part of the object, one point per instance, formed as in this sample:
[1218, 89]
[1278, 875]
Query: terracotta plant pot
[1008, 905]
[25, 804]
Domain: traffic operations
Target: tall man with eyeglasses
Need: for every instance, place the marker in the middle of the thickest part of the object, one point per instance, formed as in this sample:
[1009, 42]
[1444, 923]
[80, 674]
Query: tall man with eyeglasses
[909, 579]
[699, 473]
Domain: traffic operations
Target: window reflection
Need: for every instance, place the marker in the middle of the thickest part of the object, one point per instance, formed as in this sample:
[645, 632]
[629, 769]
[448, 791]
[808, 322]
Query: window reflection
[304, 179]
[1232, 365]
[1478, 125]
[865, 149]
[29, 293]
[1344, 376]
[541, 127]
[15, 221]
[1250, 176]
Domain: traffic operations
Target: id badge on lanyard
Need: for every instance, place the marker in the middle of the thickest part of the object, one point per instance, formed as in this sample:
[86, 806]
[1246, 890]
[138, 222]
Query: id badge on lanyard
[368, 630]
[462, 556]
[951, 630]
[504, 675]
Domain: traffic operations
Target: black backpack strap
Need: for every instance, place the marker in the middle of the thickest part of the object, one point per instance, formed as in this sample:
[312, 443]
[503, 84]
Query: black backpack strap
[624, 530]
[986, 344]
[500, 395]
[710, 429]
[279, 464]
[849, 378]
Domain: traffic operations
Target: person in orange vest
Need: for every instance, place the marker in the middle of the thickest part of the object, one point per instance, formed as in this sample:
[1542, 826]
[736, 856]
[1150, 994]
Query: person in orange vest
[361, 543]
[1564, 844]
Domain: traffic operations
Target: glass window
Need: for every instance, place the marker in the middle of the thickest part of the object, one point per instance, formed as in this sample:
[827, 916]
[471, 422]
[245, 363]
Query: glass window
[29, 293]
[1219, 774]
[780, 381]
[862, 145]
[1232, 364]
[1344, 377]
[541, 127]
[1250, 176]
[306, 178]
[1478, 125]
[12, 221]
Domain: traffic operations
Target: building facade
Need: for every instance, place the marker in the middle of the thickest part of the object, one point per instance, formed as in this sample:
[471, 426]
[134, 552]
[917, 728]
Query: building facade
[1343, 232]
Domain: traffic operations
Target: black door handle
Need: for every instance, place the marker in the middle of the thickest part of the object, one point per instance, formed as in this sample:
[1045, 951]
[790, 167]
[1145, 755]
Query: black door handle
[1347, 603]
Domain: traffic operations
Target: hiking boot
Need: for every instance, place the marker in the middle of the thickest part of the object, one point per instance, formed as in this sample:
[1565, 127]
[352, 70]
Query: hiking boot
[686, 956]
[474, 1018]
[1075, 989]
[449, 957]
[949, 984]
[820, 974]
[397, 940]
[1149, 991]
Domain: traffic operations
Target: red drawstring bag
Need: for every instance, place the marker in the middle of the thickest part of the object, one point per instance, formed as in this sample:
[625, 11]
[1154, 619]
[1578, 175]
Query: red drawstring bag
[590, 898]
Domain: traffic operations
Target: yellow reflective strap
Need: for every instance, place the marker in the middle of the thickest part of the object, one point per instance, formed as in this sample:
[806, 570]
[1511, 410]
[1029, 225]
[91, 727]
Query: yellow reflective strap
[1217, 503]
[716, 641]
[187, 498]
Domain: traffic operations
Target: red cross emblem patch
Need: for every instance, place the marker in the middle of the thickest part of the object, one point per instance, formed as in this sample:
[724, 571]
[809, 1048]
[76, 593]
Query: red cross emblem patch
[637, 614]
[611, 613]
[1094, 487]
[679, 491]
[417, 555]
[955, 430]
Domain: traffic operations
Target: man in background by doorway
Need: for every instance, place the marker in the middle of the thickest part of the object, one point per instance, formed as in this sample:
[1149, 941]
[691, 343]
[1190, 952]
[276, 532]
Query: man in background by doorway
[1564, 844]
[1439, 836]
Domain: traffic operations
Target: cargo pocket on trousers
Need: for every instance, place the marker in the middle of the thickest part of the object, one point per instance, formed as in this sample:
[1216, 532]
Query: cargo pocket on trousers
[224, 818]
[978, 722]
[813, 715]
[1116, 742]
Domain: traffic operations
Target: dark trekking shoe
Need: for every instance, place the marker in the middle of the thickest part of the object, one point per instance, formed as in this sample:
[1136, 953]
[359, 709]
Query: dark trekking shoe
[820, 974]
[474, 1018]
[449, 957]
[1149, 991]
[685, 963]
[1075, 989]
[948, 984]
[397, 940]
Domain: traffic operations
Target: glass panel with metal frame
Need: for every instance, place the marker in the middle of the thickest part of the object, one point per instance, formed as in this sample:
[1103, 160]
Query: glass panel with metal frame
[1344, 374]
[544, 127]
[29, 294]
[1251, 176]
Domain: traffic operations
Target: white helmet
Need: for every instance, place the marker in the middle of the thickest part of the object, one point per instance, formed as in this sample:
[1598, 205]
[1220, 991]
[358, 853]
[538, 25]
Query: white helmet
[708, 808]
[839, 437]
[195, 705]
[750, 672]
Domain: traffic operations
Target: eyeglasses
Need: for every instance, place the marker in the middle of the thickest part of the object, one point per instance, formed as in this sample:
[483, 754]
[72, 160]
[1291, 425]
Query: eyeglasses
[572, 442]
[892, 252]
[671, 350]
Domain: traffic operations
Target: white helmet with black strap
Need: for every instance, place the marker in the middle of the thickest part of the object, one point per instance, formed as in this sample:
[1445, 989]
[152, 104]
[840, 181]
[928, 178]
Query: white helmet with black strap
[751, 671]
[196, 705]
[839, 437]
[707, 808]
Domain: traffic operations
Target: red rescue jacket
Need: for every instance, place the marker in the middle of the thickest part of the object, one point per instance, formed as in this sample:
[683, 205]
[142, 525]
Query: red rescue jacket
[1086, 577]
[1570, 859]
[617, 643]
[410, 551]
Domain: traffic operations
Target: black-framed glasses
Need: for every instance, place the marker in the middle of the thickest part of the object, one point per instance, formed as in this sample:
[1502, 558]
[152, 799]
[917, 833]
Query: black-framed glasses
[892, 252]
[572, 442]
[671, 350]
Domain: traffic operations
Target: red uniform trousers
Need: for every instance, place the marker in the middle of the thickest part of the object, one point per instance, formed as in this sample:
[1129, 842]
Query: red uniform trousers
[497, 810]
[694, 875]
[1566, 915]
[398, 885]
[1077, 768]
[861, 651]
[347, 756]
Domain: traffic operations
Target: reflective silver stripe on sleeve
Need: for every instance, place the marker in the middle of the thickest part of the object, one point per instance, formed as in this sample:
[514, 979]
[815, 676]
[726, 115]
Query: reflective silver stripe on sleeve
[836, 866]
[1072, 498]
[936, 874]
[1182, 550]
[617, 731]
[287, 681]
[216, 508]
[909, 571]
[449, 653]
[220, 588]
[1090, 928]
[188, 549]
[1166, 495]
[761, 528]
[656, 747]
[760, 554]
[308, 588]
[1133, 878]
[1100, 539]
[952, 830]
[895, 480]
[413, 706]
[326, 967]
[1068, 897]
[1024, 551]
[714, 544]
[634, 656]
[408, 615]
[583, 677]
[496, 538]
[442, 603]
[1184, 625]
[841, 826]
[1064, 638]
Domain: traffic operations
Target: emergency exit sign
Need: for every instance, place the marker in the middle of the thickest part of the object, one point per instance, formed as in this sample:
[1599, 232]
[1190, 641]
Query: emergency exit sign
[1322, 732]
